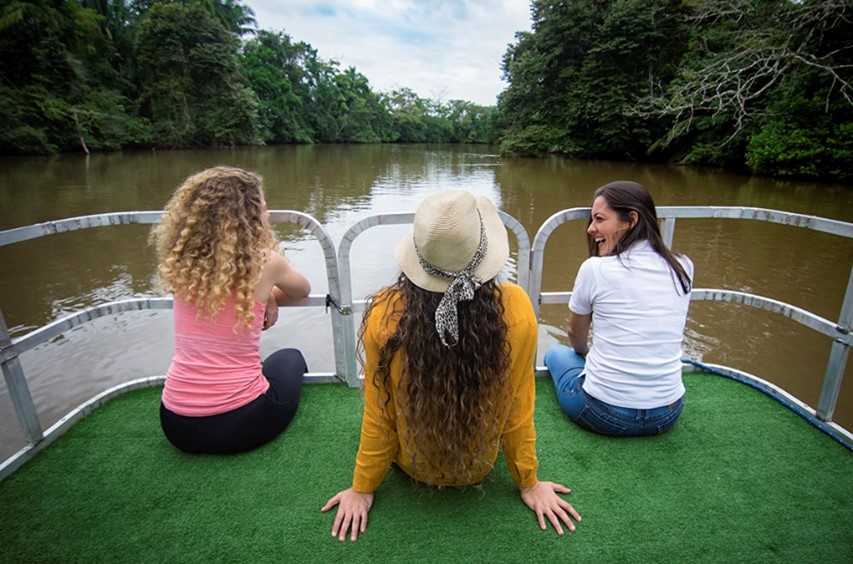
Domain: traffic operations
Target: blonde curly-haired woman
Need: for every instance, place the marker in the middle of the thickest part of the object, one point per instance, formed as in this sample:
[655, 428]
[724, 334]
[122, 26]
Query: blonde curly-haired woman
[219, 257]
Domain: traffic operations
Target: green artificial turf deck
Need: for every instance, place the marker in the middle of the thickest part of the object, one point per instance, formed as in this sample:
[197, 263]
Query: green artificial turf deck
[739, 479]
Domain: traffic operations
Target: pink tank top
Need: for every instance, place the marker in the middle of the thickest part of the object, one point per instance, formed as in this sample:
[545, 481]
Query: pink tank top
[216, 368]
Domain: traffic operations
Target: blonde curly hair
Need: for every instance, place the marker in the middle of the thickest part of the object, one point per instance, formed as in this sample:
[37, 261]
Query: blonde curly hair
[212, 241]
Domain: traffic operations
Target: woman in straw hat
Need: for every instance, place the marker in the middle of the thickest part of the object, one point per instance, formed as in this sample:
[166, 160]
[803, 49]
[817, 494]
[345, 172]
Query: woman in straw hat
[448, 361]
[219, 257]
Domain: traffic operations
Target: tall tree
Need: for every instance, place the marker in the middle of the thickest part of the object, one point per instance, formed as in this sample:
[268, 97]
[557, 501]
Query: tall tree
[81, 75]
[192, 86]
[232, 14]
[409, 112]
[272, 63]
[470, 123]
[59, 90]
[364, 118]
[575, 77]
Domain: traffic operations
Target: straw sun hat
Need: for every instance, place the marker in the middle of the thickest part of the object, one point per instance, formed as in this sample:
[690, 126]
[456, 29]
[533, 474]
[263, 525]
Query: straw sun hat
[446, 231]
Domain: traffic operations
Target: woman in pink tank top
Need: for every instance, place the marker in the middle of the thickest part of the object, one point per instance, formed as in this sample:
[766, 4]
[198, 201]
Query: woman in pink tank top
[219, 258]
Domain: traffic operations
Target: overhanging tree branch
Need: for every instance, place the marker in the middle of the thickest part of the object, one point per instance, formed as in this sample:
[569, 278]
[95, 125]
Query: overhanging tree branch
[733, 83]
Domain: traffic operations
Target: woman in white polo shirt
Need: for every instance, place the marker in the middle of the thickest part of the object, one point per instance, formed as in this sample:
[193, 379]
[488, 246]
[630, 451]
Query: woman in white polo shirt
[635, 293]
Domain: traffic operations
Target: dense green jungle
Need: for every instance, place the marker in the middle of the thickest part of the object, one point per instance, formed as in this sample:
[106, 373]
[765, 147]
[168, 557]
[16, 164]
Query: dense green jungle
[762, 86]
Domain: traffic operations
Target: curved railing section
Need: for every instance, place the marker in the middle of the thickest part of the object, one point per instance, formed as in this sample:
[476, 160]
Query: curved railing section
[838, 331]
[339, 321]
[349, 305]
[57, 429]
[339, 297]
[37, 230]
[11, 349]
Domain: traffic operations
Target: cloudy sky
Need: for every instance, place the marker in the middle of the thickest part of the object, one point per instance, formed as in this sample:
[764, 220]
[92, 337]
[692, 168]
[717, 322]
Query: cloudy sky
[441, 49]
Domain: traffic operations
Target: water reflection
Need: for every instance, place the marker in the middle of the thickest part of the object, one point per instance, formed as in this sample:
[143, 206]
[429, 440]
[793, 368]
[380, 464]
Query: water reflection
[339, 185]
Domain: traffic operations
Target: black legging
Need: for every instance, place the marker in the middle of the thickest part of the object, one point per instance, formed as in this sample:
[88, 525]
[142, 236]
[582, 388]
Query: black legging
[249, 426]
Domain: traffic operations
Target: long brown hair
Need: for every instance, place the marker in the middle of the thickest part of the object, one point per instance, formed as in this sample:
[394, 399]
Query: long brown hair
[623, 197]
[452, 398]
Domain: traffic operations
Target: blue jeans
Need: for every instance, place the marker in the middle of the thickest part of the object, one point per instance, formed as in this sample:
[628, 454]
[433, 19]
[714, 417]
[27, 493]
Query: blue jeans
[566, 366]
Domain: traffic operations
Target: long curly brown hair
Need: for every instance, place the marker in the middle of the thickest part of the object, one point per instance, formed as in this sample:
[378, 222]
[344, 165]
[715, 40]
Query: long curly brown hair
[212, 240]
[452, 398]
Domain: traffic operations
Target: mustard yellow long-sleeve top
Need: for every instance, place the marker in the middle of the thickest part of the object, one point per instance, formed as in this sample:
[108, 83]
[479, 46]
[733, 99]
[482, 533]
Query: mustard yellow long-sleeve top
[381, 431]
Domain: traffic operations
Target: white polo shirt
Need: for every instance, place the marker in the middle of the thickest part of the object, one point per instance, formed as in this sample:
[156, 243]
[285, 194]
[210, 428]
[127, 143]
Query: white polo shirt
[638, 317]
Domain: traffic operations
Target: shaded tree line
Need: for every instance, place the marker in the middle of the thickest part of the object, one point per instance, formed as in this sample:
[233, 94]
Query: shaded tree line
[758, 85]
[101, 75]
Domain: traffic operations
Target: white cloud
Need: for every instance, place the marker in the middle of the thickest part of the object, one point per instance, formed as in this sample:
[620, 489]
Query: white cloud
[438, 48]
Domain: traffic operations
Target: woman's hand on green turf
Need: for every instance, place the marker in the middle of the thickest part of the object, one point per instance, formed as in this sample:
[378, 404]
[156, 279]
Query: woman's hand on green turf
[352, 513]
[543, 500]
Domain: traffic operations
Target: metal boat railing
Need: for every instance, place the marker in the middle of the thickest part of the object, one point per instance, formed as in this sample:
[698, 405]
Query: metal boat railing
[523, 269]
[528, 275]
[838, 331]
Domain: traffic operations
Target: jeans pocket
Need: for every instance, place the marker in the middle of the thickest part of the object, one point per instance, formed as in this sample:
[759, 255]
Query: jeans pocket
[600, 422]
[668, 421]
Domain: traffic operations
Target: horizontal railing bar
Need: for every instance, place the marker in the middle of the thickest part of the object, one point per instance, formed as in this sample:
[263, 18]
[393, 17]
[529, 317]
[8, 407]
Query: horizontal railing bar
[816, 223]
[792, 312]
[555, 297]
[801, 316]
[37, 230]
[56, 328]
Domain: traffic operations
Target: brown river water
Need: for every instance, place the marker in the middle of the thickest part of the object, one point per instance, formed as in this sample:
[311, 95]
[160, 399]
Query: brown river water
[44, 279]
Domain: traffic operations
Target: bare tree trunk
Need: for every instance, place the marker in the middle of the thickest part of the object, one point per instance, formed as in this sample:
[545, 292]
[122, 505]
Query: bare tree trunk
[80, 133]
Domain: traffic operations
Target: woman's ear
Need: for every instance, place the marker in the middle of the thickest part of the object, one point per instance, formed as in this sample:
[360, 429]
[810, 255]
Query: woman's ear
[633, 218]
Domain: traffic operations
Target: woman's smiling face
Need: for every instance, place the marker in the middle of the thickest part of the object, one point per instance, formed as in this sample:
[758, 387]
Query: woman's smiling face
[605, 227]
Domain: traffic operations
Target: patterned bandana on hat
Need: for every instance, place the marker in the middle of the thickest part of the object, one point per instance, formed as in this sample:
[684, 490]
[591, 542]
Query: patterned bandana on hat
[464, 283]
[458, 242]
